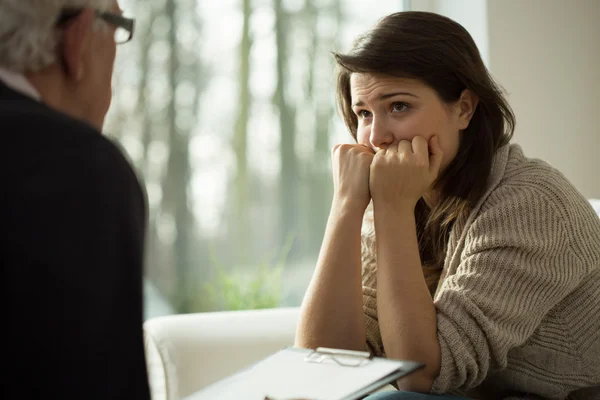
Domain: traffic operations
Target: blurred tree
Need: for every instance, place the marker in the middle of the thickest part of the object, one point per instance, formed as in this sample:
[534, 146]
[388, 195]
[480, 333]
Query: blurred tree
[321, 101]
[239, 221]
[153, 247]
[185, 81]
[288, 178]
[169, 84]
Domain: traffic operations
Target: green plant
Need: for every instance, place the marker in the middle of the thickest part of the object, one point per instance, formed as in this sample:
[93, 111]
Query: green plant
[250, 288]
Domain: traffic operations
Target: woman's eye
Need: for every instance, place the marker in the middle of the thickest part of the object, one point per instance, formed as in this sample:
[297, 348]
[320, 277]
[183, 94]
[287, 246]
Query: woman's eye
[399, 107]
[364, 114]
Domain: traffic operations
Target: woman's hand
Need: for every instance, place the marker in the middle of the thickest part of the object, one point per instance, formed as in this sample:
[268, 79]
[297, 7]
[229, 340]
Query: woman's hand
[401, 175]
[351, 170]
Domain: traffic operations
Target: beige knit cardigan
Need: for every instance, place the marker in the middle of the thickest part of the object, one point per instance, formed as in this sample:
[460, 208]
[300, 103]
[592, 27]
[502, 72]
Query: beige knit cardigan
[518, 304]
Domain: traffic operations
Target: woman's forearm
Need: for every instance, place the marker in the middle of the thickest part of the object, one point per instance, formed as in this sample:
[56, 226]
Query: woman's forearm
[332, 313]
[407, 316]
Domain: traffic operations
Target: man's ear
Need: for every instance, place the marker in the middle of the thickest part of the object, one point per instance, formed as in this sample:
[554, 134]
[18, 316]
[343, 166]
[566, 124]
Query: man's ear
[467, 104]
[76, 39]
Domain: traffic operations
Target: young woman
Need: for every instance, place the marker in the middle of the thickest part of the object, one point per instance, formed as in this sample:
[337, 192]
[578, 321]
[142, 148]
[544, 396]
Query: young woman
[486, 266]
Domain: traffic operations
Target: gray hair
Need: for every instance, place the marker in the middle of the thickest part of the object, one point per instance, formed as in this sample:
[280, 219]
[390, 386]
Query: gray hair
[28, 34]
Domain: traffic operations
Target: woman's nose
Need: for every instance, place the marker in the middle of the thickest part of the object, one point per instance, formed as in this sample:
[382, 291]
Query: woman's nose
[381, 135]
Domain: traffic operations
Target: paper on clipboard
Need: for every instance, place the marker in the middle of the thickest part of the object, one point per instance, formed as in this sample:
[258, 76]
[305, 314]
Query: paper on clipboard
[325, 374]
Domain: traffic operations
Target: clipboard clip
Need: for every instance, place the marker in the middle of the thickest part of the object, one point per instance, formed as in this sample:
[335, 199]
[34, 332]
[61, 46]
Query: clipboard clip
[344, 358]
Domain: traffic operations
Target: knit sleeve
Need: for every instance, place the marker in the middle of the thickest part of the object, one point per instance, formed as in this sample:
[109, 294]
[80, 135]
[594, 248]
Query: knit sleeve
[517, 263]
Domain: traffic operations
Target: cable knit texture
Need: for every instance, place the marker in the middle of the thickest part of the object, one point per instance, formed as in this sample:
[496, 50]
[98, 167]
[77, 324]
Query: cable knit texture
[518, 304]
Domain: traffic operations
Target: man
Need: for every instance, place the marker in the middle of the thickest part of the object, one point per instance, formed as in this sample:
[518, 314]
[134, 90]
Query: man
[72, 213]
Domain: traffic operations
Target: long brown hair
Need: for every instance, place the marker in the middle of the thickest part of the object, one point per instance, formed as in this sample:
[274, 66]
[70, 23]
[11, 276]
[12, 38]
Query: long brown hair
[440, 53]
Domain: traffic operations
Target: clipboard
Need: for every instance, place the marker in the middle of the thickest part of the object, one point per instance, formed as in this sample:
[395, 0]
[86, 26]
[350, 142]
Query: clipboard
[304, 374]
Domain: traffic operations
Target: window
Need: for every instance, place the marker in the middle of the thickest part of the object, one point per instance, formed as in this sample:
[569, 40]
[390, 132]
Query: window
[226, 108]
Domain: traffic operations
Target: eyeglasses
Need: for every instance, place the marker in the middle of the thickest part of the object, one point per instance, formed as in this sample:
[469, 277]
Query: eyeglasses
[124, 26]
[345, 358]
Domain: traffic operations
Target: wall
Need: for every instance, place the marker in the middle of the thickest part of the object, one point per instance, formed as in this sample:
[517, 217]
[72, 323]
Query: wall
[546, 53]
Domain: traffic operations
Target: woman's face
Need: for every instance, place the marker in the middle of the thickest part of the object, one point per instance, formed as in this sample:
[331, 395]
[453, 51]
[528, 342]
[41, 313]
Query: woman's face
[391, 109]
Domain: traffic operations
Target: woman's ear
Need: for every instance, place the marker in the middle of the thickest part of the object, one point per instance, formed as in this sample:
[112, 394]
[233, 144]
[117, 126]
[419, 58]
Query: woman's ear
[467, 104]
[75, 42]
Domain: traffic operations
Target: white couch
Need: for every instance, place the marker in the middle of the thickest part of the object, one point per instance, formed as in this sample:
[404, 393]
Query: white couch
[188, 352]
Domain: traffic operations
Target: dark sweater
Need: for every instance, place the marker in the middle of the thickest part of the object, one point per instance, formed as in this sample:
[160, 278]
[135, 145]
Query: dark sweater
[72, 223]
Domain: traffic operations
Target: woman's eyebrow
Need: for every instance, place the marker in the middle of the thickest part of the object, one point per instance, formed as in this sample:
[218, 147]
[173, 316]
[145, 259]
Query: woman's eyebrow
[385, 96]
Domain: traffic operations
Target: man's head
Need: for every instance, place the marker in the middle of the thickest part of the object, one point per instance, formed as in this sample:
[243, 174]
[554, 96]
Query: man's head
[66, 48]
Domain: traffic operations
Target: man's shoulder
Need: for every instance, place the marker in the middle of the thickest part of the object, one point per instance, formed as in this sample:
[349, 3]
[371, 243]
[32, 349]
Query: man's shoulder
[46, 154]
[35, 134]
[28, 120]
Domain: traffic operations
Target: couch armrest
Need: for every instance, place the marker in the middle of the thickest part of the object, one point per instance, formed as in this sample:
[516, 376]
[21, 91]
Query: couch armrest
[187, 352]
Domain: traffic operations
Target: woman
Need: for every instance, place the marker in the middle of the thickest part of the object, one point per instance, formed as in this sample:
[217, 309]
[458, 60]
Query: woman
[486, 266]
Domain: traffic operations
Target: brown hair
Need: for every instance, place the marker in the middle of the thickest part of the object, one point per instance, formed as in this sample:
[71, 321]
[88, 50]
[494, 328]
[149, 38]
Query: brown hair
[439, 52]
